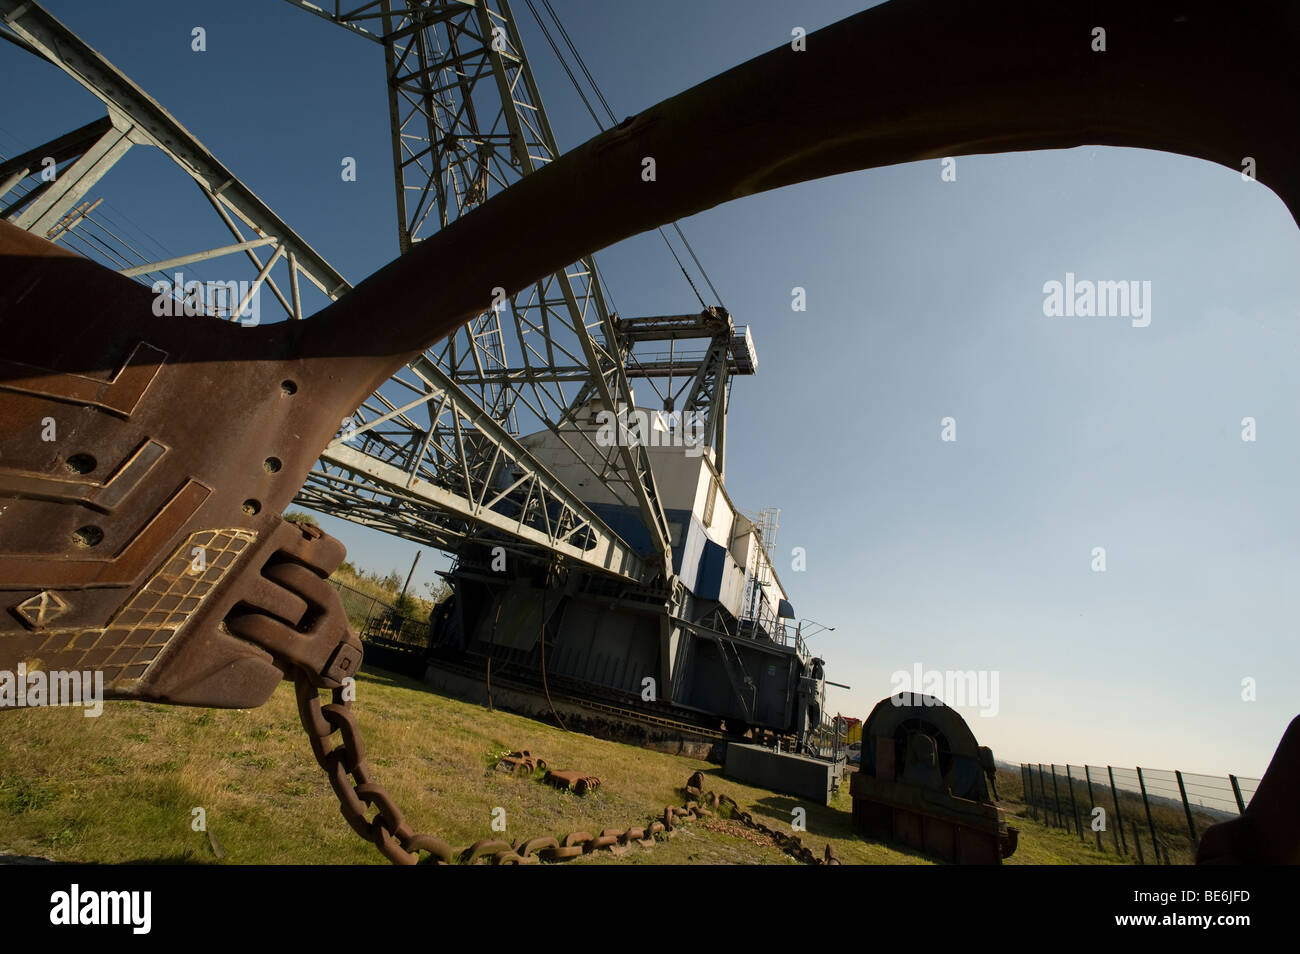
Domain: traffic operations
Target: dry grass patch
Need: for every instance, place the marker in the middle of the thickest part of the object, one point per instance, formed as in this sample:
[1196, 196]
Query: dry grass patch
[122, 787]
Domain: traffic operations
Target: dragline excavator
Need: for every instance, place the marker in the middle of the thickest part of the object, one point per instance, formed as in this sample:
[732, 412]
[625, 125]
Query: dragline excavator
[182, 436]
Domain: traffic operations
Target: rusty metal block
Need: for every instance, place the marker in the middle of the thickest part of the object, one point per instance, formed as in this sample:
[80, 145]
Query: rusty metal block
[520, 763]
[571, 780]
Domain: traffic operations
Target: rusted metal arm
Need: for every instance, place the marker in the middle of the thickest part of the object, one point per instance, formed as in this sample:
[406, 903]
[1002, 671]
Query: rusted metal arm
[901, 82]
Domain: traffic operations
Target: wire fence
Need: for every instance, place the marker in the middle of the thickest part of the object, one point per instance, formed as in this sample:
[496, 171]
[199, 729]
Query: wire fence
[1151, 815]
[374, 619]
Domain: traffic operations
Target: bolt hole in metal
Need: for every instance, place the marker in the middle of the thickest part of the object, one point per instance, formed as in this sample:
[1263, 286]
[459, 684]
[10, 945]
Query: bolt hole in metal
[271, 465]
[288, 387]
[88, 536]
[251, 506]
[80, 463]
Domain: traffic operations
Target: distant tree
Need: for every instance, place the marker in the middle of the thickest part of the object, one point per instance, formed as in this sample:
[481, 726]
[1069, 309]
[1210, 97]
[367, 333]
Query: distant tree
[405, 606]
[438, 590]
[393, 581]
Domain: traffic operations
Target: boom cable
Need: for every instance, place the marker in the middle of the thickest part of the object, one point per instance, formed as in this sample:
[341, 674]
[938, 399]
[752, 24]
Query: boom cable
[591, 80]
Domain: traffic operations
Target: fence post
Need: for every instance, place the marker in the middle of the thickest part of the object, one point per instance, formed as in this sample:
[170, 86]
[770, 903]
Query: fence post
[1042, 787]
[1087, 774]
[1155, 841]
[1074, 804]
[1236, 791]
[1137, 840]
[1191, 822]
[1056, 796]
[1119, 819]
[1027, 782]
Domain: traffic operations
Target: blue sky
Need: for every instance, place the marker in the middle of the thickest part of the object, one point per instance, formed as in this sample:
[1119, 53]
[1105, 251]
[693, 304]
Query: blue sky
[924, 301]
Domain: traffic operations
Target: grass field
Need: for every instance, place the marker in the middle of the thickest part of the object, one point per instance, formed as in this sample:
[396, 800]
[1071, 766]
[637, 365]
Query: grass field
[123, 788]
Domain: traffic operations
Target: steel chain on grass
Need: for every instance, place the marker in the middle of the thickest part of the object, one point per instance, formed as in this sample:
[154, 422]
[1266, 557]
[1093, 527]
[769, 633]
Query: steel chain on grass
[349, 775]
[388, 830]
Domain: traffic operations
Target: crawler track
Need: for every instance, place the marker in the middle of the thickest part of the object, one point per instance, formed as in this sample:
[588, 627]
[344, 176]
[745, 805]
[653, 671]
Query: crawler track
[570, 692]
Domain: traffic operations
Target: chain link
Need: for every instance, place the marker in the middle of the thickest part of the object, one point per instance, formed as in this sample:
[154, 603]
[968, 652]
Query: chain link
[349, 775]
[322, 651]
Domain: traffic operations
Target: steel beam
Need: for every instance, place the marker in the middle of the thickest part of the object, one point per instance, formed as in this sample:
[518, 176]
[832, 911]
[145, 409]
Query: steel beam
[98, 144]
[43, 207]
[557, 515]
[68, 146]
[152, 124]
[607, 373]
[466, 121]
[193, 257]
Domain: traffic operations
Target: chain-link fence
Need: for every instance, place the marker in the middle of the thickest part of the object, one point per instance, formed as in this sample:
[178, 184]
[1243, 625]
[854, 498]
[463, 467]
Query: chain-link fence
[1153, 816]
[392, 641]
[376, 620]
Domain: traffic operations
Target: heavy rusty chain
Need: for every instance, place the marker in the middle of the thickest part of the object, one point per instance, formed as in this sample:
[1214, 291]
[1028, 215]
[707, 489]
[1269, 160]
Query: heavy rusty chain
[349, 775]
[388, 830]
[322, 651]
